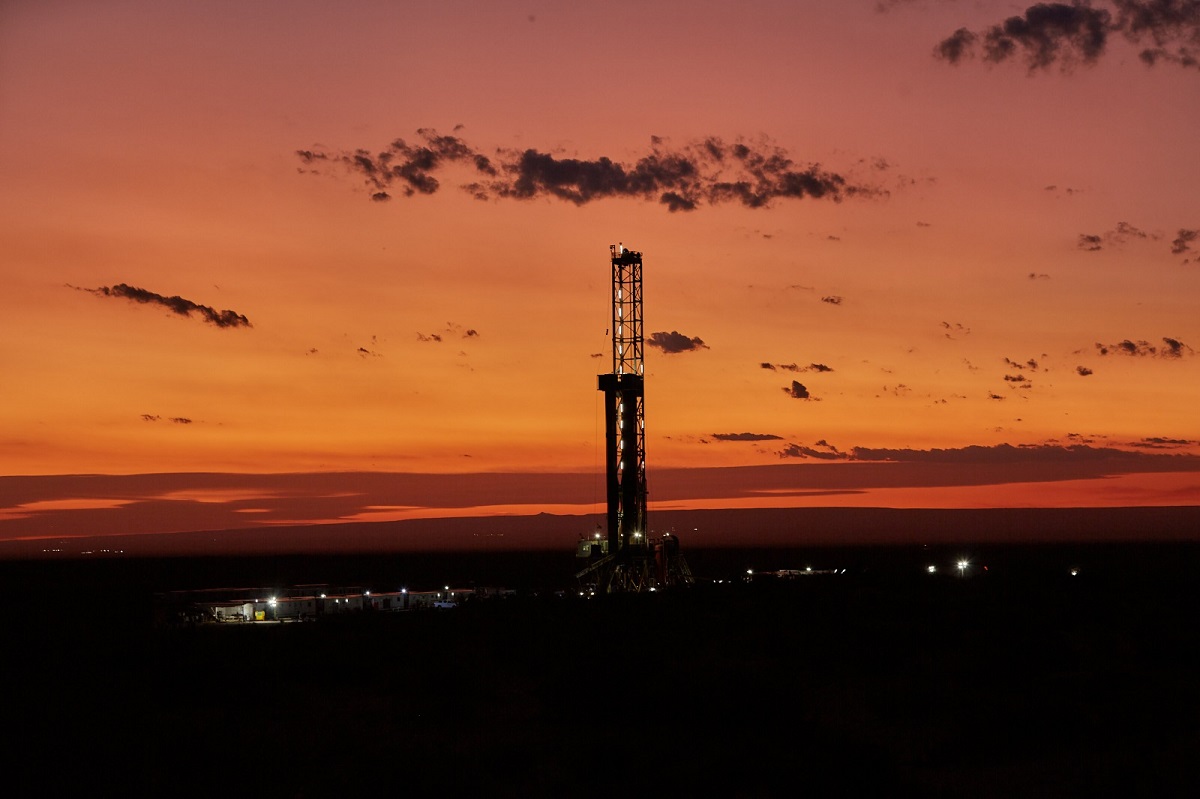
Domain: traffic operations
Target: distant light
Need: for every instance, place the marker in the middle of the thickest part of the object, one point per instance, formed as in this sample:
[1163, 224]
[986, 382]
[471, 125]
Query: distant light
[404, 590]
[1074, 572]
[653, 589]
[749, 571]
[808, 569]
[931, 569]
[322, 596]
[366, 593]
[447, 588]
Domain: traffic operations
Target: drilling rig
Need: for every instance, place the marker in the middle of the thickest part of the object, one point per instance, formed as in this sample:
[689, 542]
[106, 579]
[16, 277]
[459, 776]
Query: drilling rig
[628, 559]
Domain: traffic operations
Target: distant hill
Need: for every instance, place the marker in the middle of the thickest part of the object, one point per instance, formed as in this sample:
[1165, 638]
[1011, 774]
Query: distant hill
[700, 529]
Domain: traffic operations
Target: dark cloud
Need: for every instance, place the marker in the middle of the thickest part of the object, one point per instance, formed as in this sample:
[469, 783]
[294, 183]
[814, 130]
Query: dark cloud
[1030, 364]
[999, 453]
[800, 451]
[791, 367]
[1067, 34]
[152, 417]
[1172, 348]
[674, 342]
[175, 304]
[745, 437]
[706, 172]
[955, 329]
[832, 299]
[797, 391]
[1082, 371]
[1183, 241]
[1169, 28]
[1158, 442]
[956, 46]
[1119, 235]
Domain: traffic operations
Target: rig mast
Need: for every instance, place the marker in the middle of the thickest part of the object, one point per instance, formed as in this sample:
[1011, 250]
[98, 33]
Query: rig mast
[629, 559]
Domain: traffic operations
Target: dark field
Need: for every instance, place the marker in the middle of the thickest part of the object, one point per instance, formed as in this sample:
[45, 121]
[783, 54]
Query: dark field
[1018, 681]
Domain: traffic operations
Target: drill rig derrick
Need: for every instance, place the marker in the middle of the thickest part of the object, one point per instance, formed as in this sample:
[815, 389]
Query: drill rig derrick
[629, 558]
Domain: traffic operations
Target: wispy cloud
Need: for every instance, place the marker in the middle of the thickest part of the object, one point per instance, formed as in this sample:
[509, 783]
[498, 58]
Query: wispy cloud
[175, 304]
[709, 171]
[1068, 34]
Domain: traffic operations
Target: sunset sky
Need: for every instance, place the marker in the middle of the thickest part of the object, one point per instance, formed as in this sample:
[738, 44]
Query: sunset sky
[938, 253]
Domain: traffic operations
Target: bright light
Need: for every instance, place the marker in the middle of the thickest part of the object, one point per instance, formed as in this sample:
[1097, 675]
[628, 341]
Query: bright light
[366, 593]
[1074, 572]
[749, 571]
[931, 569]
[962, 567]
[322, 596]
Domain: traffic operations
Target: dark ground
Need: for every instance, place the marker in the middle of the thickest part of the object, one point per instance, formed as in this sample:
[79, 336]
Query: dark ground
[1021, 681]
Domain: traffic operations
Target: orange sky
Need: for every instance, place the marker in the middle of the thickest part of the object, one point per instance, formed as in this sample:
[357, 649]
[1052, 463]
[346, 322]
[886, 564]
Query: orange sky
[1018, 240]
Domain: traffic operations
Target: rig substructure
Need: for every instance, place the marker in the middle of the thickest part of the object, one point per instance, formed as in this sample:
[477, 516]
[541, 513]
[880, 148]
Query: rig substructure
[629, 559]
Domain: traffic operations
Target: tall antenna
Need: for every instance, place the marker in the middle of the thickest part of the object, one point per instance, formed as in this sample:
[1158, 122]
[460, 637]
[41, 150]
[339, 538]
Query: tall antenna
[629, 559]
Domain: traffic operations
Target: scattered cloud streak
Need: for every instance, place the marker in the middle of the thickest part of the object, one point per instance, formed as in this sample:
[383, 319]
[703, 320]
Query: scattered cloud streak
[791, 367]
[710, 172]
[1171, 348]
[1000, 454]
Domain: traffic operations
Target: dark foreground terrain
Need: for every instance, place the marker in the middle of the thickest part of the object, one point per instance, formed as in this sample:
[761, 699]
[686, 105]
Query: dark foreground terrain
[1018, 681]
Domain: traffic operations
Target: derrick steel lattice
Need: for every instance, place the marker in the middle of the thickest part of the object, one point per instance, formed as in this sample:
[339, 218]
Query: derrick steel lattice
[628, 559]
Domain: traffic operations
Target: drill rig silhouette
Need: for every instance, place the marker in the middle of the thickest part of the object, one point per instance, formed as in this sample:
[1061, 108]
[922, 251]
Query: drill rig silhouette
[628, 559]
